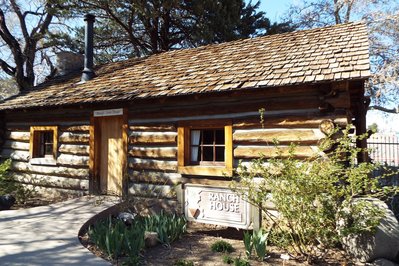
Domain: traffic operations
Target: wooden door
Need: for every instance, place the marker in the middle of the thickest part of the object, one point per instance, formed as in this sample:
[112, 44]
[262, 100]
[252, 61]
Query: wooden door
[111, 155]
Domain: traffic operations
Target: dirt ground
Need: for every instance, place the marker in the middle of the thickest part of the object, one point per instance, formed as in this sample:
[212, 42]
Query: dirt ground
[195, 246]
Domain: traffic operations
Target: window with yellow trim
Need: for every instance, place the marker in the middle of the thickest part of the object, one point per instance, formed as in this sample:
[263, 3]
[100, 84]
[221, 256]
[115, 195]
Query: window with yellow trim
[43, 144]
[205, 148]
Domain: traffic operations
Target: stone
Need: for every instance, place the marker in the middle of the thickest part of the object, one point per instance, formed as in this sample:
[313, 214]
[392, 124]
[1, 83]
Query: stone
[150, 239]
[6, 201]
[382, 262]
[126, 217]
[384, 243]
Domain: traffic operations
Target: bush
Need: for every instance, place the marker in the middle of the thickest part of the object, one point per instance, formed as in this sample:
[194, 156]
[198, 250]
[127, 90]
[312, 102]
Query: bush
[235, 261]
[312, 195]
[222, 246]
[8, 185]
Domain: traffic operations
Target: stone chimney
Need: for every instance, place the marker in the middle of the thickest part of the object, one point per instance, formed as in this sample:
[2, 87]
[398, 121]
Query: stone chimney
[88, 72]
[67, 62]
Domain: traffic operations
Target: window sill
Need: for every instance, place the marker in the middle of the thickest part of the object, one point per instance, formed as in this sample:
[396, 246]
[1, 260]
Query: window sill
[205, 170]
[43, 161]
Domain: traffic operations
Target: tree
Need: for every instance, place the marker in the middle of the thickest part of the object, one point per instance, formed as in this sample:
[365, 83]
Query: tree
[381, 17]
[136, 27]
[23, 29]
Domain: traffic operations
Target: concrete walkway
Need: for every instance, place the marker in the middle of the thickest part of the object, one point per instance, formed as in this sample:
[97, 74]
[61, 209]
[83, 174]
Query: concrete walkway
[48, 235]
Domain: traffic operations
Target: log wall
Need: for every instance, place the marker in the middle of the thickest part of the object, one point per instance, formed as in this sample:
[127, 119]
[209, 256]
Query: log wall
[291, 115]
[287, 119]
[70, 176]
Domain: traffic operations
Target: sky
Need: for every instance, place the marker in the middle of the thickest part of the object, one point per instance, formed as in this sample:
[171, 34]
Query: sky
[274, 8]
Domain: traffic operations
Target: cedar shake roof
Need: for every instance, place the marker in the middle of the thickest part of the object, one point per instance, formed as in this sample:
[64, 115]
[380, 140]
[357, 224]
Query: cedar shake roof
[328, 54]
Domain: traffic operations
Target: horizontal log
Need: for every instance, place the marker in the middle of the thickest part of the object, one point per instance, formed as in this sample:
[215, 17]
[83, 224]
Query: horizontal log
[50, 170]
[253, 152]
[47, 123]
[150, 164]
[68, 137]
[16, 145]
[153, 152]
[154, 177]
[153, 127]
[342, 100]
[75, 128]
[74, 149]
[17, 135]
[15, 154]
[288, 122]
[152, 137]
[152, 191]
[73, 160]
[283, 136]
[52, 181]
[235, 116]
[24, 127]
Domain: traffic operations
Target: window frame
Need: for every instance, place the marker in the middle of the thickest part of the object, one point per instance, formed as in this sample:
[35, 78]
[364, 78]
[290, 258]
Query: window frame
[34, 145]
[184, 148]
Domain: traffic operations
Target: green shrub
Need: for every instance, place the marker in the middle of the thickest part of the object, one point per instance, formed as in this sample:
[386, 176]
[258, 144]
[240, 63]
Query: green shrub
[312, 195]
[222, 246]
[236, 261]
[8, 185]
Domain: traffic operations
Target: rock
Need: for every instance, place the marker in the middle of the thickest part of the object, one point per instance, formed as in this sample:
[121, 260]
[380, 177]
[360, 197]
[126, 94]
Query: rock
[126, 217]
[6, 201]
[382, 262]
[383, 244]
[150, 239]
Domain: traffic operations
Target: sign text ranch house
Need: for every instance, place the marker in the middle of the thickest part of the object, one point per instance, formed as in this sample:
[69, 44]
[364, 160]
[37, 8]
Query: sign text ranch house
[175, 125]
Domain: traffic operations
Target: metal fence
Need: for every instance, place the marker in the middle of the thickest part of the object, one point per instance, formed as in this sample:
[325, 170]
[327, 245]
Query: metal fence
[384, 149]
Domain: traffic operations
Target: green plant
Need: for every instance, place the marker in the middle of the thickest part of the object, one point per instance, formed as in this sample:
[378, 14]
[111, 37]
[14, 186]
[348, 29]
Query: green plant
[259, 240]
[227, 259]
[312, 195]
[222, 246]
[115, 239]
[182, 262]
[169, 227]
[248, 243]
[8, 184]
[256, 240]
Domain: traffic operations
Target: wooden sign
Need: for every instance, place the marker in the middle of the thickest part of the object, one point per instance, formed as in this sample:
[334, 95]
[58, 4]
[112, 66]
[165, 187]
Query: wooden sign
[216, 205]
[108, 112]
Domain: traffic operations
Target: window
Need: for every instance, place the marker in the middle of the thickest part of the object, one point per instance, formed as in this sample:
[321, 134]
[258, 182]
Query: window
[205, 148]
[43, 144]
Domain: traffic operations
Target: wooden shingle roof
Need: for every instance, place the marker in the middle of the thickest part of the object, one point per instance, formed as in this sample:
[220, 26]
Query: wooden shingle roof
[328, 54]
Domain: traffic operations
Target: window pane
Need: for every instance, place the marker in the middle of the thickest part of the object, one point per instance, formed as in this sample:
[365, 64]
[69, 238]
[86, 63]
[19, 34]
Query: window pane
[207, 136]
[219, 138]
[219, 157]
[208, 154]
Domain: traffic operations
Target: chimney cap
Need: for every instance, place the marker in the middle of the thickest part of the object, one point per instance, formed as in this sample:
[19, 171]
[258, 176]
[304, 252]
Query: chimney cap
[89, 17]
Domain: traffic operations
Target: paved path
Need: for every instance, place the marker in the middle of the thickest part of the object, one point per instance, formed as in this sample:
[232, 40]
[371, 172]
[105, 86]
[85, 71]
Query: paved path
[48, 235]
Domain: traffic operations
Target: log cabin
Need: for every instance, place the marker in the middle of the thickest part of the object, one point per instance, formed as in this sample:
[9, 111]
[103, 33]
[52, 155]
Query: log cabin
[152, 126]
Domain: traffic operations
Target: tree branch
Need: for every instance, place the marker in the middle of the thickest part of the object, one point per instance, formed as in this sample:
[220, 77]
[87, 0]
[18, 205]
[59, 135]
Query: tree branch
[7, 68]
[383, 109]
